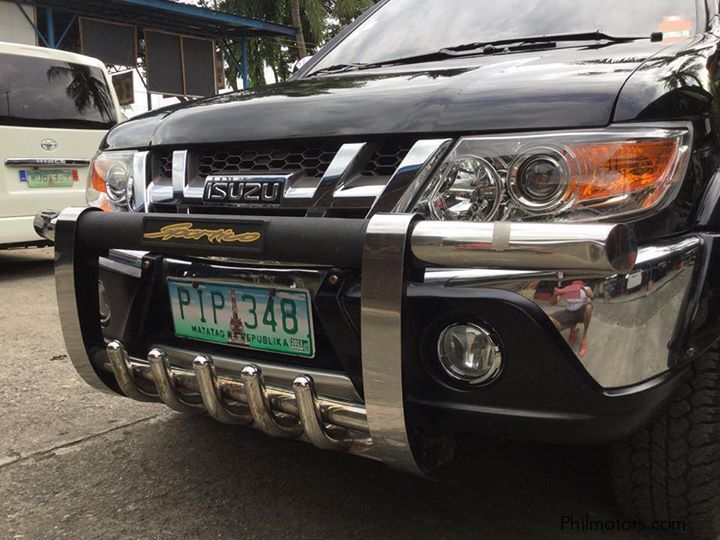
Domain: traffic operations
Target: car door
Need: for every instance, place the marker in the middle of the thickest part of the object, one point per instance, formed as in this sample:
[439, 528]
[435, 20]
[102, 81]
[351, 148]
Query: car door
[53, 116]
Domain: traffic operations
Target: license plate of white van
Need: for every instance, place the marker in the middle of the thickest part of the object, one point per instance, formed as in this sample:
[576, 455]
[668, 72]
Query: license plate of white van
[276, 320]
[49, 178]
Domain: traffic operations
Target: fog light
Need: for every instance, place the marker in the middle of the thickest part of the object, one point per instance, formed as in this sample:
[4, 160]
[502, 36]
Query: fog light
[470, 354]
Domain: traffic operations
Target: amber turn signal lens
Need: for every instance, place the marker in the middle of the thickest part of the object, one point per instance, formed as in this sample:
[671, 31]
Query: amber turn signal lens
[99, 170]
[615, 169]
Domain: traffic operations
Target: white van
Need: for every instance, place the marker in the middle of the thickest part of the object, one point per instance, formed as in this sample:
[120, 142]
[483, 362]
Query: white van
[55, 108]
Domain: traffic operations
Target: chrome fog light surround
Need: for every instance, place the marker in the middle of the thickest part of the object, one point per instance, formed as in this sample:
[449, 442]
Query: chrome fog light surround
[470, 353]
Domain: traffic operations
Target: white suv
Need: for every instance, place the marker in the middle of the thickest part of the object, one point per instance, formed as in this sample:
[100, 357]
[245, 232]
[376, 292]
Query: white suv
[55, 108]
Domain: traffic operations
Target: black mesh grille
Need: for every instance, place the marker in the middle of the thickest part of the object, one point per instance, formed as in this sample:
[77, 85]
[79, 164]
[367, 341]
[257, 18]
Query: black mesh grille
[164, 164]
[314, 159]
[386, 158]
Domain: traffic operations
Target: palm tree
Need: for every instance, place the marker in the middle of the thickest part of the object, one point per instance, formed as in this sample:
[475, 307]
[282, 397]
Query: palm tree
[297, 23]
[87, 91]
[312, 18]
[346, 11]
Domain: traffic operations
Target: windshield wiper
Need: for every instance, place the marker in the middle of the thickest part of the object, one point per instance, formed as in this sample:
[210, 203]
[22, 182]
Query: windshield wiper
[419, 59]
[488, 47]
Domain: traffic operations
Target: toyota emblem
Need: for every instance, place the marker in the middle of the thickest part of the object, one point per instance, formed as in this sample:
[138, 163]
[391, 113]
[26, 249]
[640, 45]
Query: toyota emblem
[49, 145]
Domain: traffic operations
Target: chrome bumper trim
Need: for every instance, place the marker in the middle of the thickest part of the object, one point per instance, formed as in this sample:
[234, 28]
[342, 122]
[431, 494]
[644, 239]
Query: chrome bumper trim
[633, 316]
[46, 162]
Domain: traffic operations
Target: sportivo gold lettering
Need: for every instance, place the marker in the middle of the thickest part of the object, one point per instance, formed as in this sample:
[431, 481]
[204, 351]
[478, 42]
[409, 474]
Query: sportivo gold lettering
[185, 231]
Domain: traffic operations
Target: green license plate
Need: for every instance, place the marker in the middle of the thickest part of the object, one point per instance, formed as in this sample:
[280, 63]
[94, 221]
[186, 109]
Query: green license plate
[50, 178]
[277, 320]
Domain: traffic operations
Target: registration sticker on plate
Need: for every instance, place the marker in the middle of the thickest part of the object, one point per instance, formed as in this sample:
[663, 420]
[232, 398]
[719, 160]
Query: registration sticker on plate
[50, 178]
[268, 319]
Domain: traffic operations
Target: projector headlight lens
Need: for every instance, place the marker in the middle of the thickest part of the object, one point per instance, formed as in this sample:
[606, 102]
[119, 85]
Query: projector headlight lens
[539, 179]
[117, 181]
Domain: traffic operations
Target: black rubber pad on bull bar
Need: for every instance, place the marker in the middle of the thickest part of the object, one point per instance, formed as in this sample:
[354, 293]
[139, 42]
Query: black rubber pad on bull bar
[321, 241]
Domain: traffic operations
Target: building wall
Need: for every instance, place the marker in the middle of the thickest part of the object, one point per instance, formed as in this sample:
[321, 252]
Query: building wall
[13, 25]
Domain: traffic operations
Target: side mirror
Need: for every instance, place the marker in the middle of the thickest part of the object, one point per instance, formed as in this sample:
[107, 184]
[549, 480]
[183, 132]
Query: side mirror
[302, 62]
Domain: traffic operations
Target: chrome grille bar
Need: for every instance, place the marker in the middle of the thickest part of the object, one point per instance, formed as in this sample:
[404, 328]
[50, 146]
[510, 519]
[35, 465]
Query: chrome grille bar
[337, 172]
[408, 173]
[139, 181]
[179, 173]
[342, 186]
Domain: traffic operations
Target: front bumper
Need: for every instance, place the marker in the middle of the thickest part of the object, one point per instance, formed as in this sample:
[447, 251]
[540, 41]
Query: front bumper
[378, 390]
[18, 231]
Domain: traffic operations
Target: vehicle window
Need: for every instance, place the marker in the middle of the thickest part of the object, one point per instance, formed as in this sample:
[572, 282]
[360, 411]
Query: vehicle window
[405, 28]
[42, 92]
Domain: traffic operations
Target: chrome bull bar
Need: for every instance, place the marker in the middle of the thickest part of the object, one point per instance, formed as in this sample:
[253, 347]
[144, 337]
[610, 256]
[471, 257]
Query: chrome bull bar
[278, 412]
[386, 249]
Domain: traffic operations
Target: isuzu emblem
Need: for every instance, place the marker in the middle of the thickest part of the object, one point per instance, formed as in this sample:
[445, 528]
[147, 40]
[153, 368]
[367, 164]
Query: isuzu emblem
[244, 189]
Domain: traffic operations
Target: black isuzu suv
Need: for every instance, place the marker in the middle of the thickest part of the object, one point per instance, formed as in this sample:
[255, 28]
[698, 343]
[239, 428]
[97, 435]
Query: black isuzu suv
[459, 216]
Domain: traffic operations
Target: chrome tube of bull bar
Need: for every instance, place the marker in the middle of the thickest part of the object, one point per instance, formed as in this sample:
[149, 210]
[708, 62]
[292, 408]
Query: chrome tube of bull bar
[261, 410]
[597, 248]
[122, 369]
[211, 395]
[166, 385]
[311, 417]
[341, 413]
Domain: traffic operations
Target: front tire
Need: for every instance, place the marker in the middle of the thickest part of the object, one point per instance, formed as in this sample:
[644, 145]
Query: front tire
[670, 471]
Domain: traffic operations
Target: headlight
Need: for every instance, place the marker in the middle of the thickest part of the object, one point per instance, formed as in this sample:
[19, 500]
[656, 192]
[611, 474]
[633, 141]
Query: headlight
[568, 176]
[110, 185]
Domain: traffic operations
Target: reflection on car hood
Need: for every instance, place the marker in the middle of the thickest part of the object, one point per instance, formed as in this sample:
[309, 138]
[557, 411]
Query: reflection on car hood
[547, 89]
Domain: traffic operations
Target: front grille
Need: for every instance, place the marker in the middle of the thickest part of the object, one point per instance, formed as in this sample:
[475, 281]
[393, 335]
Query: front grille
[313, 159]
[386, 157]
[164, 164]
[366, 170]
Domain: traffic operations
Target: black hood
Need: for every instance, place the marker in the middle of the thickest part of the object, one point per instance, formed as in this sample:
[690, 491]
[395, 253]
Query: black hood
[548, 89]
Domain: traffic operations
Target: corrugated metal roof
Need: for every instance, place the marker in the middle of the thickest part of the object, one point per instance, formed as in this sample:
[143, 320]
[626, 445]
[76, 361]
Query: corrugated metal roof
[170, 16]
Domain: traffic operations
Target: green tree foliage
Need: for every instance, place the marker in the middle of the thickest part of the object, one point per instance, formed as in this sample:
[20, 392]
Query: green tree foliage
[320, 20]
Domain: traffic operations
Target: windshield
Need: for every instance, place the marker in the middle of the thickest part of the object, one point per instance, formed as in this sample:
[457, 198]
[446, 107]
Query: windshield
[406, 28]
[40, 92]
